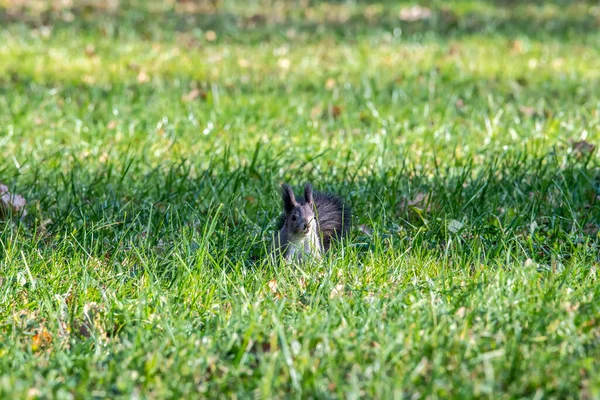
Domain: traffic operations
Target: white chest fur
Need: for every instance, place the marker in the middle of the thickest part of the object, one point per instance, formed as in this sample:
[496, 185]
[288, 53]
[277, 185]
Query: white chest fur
[306, 247]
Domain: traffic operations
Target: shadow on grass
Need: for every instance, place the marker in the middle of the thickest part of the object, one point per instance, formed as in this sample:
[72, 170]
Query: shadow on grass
[545, 208]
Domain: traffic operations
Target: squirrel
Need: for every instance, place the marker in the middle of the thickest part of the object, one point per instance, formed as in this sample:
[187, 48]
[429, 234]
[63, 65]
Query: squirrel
[307, 226]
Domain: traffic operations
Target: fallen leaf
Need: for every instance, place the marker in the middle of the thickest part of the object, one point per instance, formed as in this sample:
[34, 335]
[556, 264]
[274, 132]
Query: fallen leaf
[330, 84]
[454, 226]
[89, 79]
[591, 229]
[366, 230]
[516, 46]
[211, 36]
[191, 96]
[529, 263]
[419, 200]
[528, 111]
[41, 339]
[273, 285]
[90, 50]
[336, 111]
[143, 76]
[415, 13]
[11, 203]
[337, 291]
[112, 125]
[454, 49]
[583, 148]
[243, 63]
[315, 112]
[302, 283]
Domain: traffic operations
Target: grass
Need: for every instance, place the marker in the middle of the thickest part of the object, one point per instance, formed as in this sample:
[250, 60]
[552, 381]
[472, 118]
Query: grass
[149, 141]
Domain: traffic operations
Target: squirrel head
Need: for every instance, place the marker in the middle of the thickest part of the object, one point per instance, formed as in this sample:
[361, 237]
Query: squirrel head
[299, 215]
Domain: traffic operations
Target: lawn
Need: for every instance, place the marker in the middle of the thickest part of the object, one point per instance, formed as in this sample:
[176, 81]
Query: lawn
[149, 140]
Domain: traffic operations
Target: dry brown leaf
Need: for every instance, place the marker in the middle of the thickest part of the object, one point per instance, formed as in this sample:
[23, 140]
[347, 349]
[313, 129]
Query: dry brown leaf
[528, 111]
[591, 229]
[243, 63]
[273, 286]
[336, 111]
[583, 148]
[143, 76]
[337, 291]
[90, 50]
[454, 49]
[421, 199]
[211, 36]
[302, 283]
[516, 46]
[366, 230]
[11, 203]
[41, 339]
[330, 84]
[415, 13]
[315, 112]
[191, 96]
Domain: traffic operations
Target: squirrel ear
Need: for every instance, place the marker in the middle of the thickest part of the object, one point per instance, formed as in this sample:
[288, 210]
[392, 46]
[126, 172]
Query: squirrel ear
[308, 193]
[287, 195]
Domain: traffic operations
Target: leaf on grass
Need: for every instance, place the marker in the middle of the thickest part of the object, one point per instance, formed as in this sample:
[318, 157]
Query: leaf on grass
[337, 291]
[591, 229]
[143, 76]
[315, 112]
[210, 36]
[90, 50]
[516, 46]
[41, 339]
[529, 263]
[112, 125]
[583, 148]
[415, 13]
[528, 111]
[366, 230]
[454, 226]
[273, 286]
[335, 111]
[191, 96]
[11, 203]
[420, 200]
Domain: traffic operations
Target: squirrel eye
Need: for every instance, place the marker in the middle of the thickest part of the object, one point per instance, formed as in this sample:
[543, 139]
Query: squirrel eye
[293, 217]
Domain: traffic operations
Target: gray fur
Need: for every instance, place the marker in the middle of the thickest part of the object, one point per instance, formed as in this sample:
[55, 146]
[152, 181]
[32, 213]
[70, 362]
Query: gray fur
[308, 225]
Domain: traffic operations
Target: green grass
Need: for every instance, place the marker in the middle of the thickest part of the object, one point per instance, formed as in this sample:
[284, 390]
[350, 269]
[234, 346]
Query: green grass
[150, 153]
